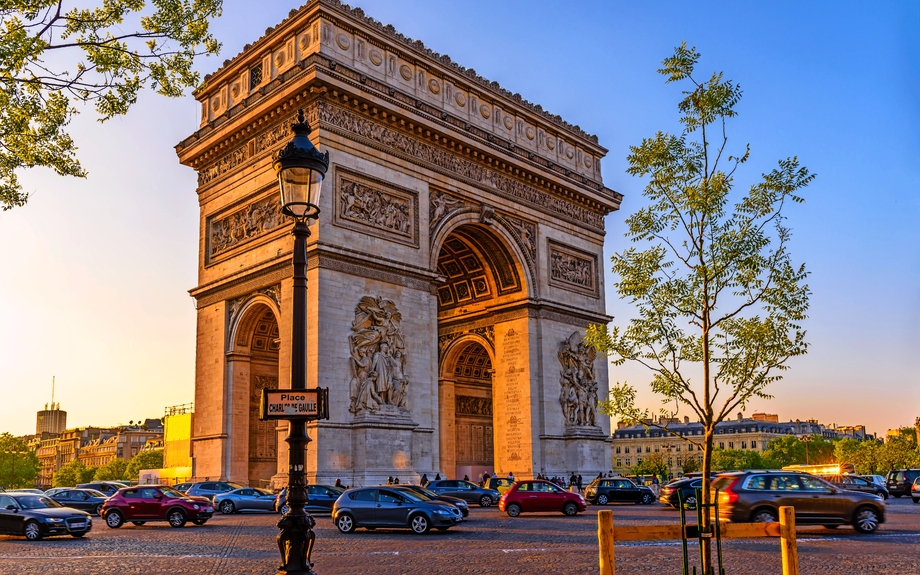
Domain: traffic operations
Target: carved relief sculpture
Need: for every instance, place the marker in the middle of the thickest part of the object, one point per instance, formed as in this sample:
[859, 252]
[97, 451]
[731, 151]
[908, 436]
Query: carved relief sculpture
[441, 206]
[367, 205]
[378, 354]
[573, 269]
[469, 405]
[252, 221]
[578, 393]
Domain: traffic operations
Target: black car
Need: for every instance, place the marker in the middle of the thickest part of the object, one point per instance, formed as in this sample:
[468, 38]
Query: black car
[109, 488]
[899, 481]
[684, 489]
[320, 499]
[853, 483]
[469, 492]
[88, 500]
[460, 504]
[373, 507]
[36, 516]
[617, 490]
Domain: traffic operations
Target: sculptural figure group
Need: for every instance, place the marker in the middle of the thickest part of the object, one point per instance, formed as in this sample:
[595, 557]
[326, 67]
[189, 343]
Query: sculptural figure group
[578, 395]
[377, 357]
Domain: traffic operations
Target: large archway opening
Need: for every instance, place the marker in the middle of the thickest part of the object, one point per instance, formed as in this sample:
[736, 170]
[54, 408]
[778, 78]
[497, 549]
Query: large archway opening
[257, 343]
[480, 273]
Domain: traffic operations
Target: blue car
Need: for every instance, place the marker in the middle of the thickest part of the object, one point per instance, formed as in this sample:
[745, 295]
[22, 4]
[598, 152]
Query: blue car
[320, 499]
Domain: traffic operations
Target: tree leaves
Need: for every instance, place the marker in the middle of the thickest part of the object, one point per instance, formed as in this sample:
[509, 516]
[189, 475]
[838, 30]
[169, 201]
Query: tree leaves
[51, 57]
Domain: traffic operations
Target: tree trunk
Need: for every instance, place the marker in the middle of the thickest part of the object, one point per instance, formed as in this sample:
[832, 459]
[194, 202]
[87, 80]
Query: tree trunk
[706, 546]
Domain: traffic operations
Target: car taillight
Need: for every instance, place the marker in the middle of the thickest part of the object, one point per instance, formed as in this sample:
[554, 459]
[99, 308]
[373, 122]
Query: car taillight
[728, 494]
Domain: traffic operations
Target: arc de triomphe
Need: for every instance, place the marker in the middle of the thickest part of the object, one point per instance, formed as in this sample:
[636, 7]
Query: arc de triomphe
[454, 268]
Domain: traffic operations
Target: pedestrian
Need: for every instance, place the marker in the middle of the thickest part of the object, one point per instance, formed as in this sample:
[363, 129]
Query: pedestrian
[511, 477]
[580, 482]
[390, 480]
[655, 484]
[486, 477]
[481, 482]
[338, 483]
[437, 477]
[424, 480]
[396, 481]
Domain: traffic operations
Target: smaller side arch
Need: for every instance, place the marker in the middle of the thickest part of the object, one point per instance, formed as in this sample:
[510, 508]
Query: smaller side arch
[456, 347]
[243, 316]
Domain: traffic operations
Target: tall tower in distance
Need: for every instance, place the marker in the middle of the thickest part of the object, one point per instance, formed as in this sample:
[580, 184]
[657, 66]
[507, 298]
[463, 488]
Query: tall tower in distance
[51, 419]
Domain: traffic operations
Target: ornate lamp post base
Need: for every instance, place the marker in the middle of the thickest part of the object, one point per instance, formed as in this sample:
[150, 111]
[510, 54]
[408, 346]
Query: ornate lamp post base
[295, 542]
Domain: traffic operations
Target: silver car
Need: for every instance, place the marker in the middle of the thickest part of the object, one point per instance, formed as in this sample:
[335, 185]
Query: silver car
[245, 499]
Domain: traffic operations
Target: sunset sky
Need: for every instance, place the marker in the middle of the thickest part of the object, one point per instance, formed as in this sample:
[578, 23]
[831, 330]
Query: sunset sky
[95, 273]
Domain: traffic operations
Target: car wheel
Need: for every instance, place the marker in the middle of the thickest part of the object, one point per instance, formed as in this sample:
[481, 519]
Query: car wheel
[139, 523]
[883, 495]
[647, 499]
[345, 523]
[602, 499]
[419, 524]
[485, 501]
[916, 499]
[690, 503]
[98, 510]
[176, 518]
[865, 520]
[114, 519]
[199, 521]
[570, 509]
[763, 515]
[226, 507]
[285, 508]
[513, 510]
[32, 531]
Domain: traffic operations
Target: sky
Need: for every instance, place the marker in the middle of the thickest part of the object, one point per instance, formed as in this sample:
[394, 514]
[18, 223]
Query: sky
[95, 273]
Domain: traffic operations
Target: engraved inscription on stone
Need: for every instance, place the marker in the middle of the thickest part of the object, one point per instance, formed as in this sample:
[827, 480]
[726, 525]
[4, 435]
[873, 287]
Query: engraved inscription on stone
[254, 220]
[378, 354]
[572, 269]
[370, 206]
[578, 393]
[513, 400]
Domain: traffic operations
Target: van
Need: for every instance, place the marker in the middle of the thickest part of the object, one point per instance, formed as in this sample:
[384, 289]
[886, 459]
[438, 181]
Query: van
[900, 481]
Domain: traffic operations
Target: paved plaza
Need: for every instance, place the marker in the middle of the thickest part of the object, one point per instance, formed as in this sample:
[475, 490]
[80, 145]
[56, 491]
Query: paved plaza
[489, 542]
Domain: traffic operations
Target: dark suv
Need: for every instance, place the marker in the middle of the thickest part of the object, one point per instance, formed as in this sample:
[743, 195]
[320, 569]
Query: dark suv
[107, 487]
[619, 490]
[757, 496]
[899, 481]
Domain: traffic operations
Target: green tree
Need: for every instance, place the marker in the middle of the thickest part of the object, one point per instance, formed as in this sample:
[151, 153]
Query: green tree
[54, 55]
[72, 474]
[691, 465]
[736, 459]
[652, 464]
[114, 470]
[152, 459]
[864, 455]
[18, 465]
[718, 297]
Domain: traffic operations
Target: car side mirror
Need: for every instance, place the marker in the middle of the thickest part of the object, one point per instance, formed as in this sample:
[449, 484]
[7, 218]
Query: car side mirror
[12, 508]
[159, 498]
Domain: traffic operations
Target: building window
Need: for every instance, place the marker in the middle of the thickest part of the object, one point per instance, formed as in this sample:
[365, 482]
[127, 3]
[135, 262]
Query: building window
[638, 461]
[619, 463]
[744, 445]
[255, 76]
[753, 445]
[670, 462]
[649, 449]
[678, 449]
[618, 449]
[731, 444]
[690, 447]
[628, 462]
[721, 445]
[656, 449]
[679, 462]
[627, 451]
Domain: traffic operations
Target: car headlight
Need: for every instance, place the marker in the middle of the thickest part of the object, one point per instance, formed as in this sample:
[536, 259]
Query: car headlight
[54, 520]
[442, 512]
[195, 507]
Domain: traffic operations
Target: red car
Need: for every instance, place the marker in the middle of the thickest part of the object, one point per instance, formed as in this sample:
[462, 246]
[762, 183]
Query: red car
[539, 495]
[154, 503]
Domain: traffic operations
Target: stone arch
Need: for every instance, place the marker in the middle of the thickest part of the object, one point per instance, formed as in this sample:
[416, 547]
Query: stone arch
[516, 251]
[252, 364]
[466, 420]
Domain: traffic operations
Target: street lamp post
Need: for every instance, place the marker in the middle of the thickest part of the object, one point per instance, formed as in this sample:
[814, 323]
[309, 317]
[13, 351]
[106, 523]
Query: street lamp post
[806, 439]
[300, 168]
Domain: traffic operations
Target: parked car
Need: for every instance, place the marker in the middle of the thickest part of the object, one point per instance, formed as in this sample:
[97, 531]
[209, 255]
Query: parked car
[88, 500]
[145, 503]
[469, 492]
[26, 490]
[35, 516]
[618, 490]
[500, 484]
[915, 491]
[245, 499]
[757, 496]
[854, 483]
[684, 489]
[899, 481]
[53, 490]
[320, 499]
[539, 495]
[182, 487]
[877, 479]
[374, 507]
[460, 504]
[209, 489]
[107, 487]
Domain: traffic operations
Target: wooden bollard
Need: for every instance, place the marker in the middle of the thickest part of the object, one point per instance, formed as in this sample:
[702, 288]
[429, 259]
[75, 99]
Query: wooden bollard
[605, 541]
[787, 541]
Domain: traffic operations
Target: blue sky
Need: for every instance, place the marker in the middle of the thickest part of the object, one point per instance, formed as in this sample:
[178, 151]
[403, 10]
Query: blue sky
[94, 273]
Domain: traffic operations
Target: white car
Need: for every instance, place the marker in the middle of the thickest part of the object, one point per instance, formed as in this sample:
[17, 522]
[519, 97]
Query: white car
[877, 479]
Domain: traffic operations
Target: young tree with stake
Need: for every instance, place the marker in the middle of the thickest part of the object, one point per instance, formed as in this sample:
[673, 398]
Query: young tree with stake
[718, 298]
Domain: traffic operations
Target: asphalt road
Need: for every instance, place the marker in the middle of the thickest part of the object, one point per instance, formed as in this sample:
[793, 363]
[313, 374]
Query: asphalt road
[489, 542]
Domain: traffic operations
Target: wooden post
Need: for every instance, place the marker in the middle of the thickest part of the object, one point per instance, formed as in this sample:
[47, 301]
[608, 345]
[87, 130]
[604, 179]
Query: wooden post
[605, 541]
[787, 541]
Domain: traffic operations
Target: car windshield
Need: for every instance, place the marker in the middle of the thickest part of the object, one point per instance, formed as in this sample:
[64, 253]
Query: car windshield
[412, 496]
[36, 502]
[420, 493]
[235, 485]
[170, 492]
[95, 493]
[263, 491]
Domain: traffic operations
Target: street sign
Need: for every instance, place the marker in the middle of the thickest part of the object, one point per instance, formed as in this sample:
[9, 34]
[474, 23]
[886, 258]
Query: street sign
[290, 404]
